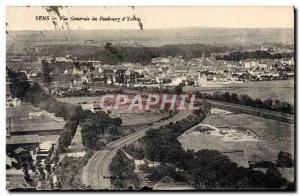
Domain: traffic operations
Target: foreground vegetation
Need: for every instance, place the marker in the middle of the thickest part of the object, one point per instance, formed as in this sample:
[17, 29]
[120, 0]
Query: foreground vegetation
[205, 169]
[122, 171]
[69, 172]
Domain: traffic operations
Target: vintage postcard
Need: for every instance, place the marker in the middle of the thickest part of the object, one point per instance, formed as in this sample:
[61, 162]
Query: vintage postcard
[150, 98]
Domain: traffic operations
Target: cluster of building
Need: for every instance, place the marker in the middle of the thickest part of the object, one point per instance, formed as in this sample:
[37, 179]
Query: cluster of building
[29, 130]
[71, 73]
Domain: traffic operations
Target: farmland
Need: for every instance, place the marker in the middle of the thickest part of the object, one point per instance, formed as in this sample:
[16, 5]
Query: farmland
[282, 90]
[128, 118]
[77, 100]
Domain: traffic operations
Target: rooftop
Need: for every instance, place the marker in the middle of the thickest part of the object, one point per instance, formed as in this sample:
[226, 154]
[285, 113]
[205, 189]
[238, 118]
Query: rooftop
[24, 139]
[20, 121]
[14, 179]
[20, 111]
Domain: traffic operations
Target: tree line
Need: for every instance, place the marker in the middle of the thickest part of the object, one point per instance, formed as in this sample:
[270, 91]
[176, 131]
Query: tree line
[244, 99]
[237, 56]
[268, 104]
[114, 54]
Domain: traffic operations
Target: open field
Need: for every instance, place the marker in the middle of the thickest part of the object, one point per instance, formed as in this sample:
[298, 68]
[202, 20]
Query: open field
[77, 100]
[274, 136]
[128, 118]
[282, 90]
[141, 117]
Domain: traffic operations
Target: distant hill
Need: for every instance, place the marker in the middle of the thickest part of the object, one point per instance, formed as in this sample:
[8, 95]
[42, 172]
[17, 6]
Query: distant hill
[147, 37]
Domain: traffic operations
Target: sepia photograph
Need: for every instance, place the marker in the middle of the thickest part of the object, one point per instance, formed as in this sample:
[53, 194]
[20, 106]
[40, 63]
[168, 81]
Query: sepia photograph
[150, 98]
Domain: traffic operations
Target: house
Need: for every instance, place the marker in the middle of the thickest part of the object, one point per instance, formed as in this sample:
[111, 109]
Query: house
[30, 142]
[160, 60]
[64, 59]
[87, 106]
[41, 127]
[15, 179]
[77, 71]
[45, 148]
[263, 66]
[19, 151]
[178, 80]
[257, 73]
[13, 102]
[35, 115]
[220, 78]
[11, 162]
[85, 79]
[95, 63]
[100, 70]
[234, 78]
[287, 61]
[198, 79]
[247, 64]
[45, 58]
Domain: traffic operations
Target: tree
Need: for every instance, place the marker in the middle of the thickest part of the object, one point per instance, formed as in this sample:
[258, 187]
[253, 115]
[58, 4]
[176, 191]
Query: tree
[42, 173]
[90, 137]
[19, 85]
[268, 103]
[258, 103]
[122, 170]
[47, 69]
[246, 100]
[234, 98]
[48, 167]
[273, 179]
[179, 89]
[284, 159]
[25, 159]
[95, 125]
[27, 176]
[226, 97]
[65, 140]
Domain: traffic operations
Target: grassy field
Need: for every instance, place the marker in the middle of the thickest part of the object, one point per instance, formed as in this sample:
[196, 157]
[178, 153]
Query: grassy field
[275, 135]
[128, 118]
[77, 100]
[280, 89]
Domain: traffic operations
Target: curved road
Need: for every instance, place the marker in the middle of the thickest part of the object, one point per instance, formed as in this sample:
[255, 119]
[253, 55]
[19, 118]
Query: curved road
[98, 166]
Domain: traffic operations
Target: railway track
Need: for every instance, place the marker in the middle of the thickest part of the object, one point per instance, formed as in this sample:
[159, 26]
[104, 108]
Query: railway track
[98, 166]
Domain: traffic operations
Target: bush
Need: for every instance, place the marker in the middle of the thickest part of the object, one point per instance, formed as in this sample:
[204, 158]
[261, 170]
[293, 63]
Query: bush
[284, 159]
[122, 170]
[65, 140]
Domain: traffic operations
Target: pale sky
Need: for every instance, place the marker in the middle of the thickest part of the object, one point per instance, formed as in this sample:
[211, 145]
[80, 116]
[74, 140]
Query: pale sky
[24, 18]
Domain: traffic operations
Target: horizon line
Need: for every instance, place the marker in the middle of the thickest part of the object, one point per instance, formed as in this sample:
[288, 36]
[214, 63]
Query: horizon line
[168, 28]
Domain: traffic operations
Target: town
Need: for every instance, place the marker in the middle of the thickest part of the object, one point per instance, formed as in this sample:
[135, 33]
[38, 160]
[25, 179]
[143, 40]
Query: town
[34, 133]
[149, 106]
[162, 72]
